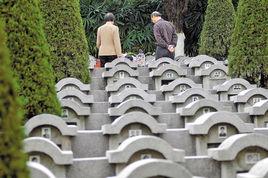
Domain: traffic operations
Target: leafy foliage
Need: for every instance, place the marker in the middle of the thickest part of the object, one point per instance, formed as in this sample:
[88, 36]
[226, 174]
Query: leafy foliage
[217, 30]
[248, 56]
[66, 38]
[13, 160]
[132, 17]
[29, 56]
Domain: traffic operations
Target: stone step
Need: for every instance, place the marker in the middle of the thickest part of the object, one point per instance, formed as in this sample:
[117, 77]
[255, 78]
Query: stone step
[245, 117]
[99, 95]
[97, 72]
[96, 120]
[196, 79]
[97, 83]
[89, 143]
[99, 167]
[92, 143]
[159, 95]
[90, 167]
[143, 71]
[147, 80]
[203, 166]
[100, 107]
[167, 106]
[173, 120]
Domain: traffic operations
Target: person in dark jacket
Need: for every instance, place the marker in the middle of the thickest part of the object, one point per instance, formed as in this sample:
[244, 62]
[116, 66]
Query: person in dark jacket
[165, 36]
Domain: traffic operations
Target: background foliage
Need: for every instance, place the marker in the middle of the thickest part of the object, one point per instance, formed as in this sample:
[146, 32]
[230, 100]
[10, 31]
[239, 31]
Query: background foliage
[29, 56]
[175, 11]
[132, 17]
[192, 25]
[248, 56]
[66, 38]
[217, 29]
[13, 160]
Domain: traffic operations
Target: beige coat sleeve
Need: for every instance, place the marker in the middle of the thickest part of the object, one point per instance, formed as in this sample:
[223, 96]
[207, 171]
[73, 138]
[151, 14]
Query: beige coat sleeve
[98, 39]
[117, 42]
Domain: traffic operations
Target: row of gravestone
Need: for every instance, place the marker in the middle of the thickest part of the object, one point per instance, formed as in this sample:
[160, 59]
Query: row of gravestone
[133, 114]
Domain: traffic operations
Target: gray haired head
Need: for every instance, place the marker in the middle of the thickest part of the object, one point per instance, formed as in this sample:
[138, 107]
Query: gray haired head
[156, 14]
[109, 17]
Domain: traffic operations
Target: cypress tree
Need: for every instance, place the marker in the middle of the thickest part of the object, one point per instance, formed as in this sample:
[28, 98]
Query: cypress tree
[217, 29]
[247, 57]
[29, 56]
[13, 160]
[66, 37]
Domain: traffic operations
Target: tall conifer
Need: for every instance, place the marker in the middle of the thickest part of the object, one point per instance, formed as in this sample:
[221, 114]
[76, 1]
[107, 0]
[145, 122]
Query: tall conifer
[216, 34]
[247, 57]
[13, 160]
[29, 54]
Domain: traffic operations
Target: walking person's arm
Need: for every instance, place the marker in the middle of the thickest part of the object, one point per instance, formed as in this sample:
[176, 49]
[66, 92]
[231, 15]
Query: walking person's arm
[174, 39]
[98, 39]
[117, 43]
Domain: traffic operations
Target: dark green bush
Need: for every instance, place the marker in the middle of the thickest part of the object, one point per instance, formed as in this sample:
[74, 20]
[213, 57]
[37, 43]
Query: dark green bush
[217, 29]
[66, 38]
[192, 25]
[13, 160]
[132, 17]
[247, 57]
[29, 56]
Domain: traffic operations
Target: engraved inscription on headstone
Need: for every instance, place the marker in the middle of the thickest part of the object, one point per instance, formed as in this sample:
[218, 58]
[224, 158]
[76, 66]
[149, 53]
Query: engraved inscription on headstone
[34, 158]
[252, 158]
[195, 98]
[146, 156]
[132, 133]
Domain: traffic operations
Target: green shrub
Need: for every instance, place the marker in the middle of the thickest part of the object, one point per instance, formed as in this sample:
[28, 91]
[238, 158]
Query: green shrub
[132, 17]
[247, 57]
[217, 29]
[13, 160]
[66, 37]
[29, 56]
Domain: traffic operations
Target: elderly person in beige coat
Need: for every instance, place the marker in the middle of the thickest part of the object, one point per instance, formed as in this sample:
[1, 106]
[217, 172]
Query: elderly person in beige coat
[108, 40]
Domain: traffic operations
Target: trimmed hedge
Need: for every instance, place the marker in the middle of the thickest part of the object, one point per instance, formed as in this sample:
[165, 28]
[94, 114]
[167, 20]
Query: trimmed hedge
[29, 56]
[247, 57]
[216, 34]
[13, 160]
[66, 37]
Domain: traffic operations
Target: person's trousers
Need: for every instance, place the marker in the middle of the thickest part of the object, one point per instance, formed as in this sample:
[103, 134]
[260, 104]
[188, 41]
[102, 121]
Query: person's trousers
[106, 59]
[163, 52]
